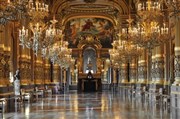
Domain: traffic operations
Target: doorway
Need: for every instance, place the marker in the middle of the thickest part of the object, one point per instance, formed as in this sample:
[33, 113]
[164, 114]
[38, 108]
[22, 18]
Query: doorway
[89, 56]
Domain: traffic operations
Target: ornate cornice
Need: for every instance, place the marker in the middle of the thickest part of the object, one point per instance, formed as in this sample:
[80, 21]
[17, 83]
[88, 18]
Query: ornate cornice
[111, 10]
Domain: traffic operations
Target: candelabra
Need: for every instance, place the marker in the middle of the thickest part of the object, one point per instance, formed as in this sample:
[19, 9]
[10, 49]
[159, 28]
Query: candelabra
[12, 10]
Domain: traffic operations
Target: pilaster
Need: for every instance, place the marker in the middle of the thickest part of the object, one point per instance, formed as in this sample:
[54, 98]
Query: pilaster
[159, 65]
[133, 71]
[142, 69]
[124, 76]
[177, 53]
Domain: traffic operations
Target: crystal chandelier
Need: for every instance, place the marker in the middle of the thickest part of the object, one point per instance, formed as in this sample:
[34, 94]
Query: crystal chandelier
[128, 51]
[124, 51]
[149, 32]
[149, 9]
[37, 10]
[60, 54]
[39, 35]
[12, 10]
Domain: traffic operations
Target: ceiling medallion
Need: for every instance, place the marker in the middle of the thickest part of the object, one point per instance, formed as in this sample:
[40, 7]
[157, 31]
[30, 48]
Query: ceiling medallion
[89, 1]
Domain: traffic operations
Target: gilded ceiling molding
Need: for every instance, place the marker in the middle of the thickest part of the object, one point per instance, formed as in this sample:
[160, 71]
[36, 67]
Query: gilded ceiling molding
[120, 5]
[89, 41]
[113, 9]
[78, 15]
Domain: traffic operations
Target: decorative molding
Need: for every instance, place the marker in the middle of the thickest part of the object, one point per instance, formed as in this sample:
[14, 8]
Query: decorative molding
[90, 1]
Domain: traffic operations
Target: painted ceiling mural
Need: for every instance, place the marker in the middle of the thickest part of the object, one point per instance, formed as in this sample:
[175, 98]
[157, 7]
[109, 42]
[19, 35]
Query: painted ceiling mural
[100, 29]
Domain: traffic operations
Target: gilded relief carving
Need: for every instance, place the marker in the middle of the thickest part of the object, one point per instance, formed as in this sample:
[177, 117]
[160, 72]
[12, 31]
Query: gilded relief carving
[1, 65]
[6, 66]
[25, 72]
[38, 74]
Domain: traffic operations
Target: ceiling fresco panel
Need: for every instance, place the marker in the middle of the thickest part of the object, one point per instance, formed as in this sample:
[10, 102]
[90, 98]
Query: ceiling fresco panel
[78, 29]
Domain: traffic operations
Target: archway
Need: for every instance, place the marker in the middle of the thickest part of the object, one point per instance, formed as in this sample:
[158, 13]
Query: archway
[89, 56]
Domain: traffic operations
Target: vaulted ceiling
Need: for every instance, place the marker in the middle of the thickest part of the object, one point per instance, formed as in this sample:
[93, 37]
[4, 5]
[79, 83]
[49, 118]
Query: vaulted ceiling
[115, 11]
[73, 16]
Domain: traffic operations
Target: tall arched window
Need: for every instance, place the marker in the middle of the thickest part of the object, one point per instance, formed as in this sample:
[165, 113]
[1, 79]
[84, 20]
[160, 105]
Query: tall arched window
[89, 54]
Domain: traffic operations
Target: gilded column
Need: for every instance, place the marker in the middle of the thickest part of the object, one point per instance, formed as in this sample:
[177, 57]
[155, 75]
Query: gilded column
[152, 71]
[142, 69]
[98, 66]
[2, 83]
[38, 71]
[25, 66]
[133, 70]
[177, 53]
[175, 87]
[124, 75]
[5, 55]
[80, 62]
[64, 76]
[114, 80]
[47, 72]
[56, 75]
[159, 65]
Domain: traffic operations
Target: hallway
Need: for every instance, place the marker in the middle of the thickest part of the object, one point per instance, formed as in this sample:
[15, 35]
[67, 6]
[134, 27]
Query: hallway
[101, 105]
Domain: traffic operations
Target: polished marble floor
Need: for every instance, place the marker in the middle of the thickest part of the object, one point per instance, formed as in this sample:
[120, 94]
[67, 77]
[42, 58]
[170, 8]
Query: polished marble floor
[100, 105]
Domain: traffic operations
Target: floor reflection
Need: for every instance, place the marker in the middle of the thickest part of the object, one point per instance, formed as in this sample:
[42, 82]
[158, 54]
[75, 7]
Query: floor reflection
[101, 105]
